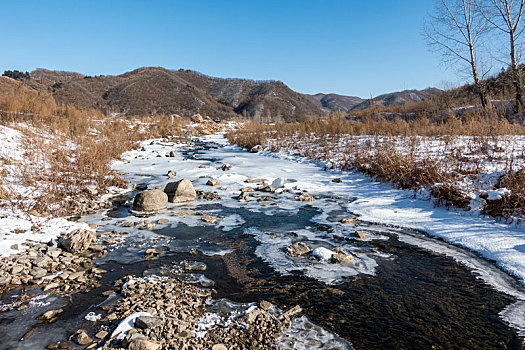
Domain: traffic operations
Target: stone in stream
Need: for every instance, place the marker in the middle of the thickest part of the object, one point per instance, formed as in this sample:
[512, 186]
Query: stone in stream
[150, 200]
[278, 183]
[145, 322]
[101, 335]
[81, 337]
[171, 174]
[266, 188]
[50, 315]
[256, 149]
[243, 197]
[298, 249]
[208, 219]
[212, 183]
[340, 257]
[304, 197]
[246, 189]
[77, 241]
[337, 180]
[348, 220]
[180, 191]
[360, 234]
[173, 154]
[226, 167]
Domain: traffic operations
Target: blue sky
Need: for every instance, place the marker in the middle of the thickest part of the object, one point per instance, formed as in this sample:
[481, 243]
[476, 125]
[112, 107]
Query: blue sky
[350, 47]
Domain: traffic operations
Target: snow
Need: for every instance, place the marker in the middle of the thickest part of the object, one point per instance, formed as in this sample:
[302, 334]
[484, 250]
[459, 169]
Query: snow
[322, 253]
[31, 228]
[126, 325]
[16, 226]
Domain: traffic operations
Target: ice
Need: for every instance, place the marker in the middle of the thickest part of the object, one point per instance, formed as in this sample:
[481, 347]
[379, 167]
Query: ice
[93, 317]
[302, 334]
[230, 222]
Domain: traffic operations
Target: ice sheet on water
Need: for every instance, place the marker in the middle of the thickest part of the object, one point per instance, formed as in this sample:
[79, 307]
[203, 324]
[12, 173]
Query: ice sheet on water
[302, 334]
[272, 251]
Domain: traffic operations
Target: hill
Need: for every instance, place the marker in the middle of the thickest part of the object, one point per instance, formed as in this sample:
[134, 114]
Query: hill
[397, 98]
[154, 90]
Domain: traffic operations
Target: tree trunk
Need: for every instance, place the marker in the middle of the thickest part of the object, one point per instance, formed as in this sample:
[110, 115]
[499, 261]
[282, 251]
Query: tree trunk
[517, 79]
[477, 84]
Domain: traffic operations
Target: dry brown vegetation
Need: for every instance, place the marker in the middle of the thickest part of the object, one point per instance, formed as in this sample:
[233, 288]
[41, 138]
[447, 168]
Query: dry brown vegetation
[68, 149]
[395, 151]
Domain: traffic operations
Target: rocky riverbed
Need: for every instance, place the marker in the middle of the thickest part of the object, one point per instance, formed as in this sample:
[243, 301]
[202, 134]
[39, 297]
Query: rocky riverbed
[217, 248]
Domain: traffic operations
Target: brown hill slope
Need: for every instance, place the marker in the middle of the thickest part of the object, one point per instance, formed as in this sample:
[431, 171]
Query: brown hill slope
[147, 91]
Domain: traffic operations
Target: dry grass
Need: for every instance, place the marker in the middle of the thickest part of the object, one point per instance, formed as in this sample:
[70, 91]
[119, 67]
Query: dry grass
[394, 151]
[68, 150]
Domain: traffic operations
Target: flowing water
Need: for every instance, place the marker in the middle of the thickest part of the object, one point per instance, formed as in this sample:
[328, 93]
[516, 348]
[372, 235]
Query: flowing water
[402, 291]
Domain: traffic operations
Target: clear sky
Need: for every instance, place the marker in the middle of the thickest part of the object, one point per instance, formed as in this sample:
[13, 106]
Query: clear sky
[351, 47]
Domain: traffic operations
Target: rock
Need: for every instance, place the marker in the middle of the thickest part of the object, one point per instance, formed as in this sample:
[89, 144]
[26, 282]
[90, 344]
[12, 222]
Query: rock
[254, 181]
[50, 286]
[209, 219]
[162, 221]
[348, 220]
[101, 335]
[278, 183]
[49, 315]
[82, 338]
[173, 154]
[341, 258]
[256, 149]
[152, 252]
[128, 224]
[131, 337]
[246, 189]
[266, 188]
[145, 322]
[265, 305]
[226, 167]
[305, 197]
[150, 200]
[197, 118]
[243, 197]
[290, 312]
[38, 272]
[171, 174]
[77, 241]
[180, 191]
[142, 344]
[298, 249]
[212, 183]
[14, 247]
[360, 234]
[16, 269]
[337, 180]
[323, 253]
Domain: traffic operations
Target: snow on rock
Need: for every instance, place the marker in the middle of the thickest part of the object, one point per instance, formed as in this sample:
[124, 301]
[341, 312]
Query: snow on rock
[322, 253]
[127, 324]
[17, 227]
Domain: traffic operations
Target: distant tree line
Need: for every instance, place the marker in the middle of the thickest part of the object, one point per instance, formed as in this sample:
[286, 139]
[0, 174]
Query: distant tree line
[467, 33]
[14, 74]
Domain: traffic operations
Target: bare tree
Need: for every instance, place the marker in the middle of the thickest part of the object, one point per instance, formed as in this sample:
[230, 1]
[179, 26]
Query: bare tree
[456, 30]
[506, 16]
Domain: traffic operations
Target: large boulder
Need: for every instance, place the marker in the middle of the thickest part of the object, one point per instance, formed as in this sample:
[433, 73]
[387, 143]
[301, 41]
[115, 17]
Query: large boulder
[77, 241]
[180, 191]
[150, 200]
